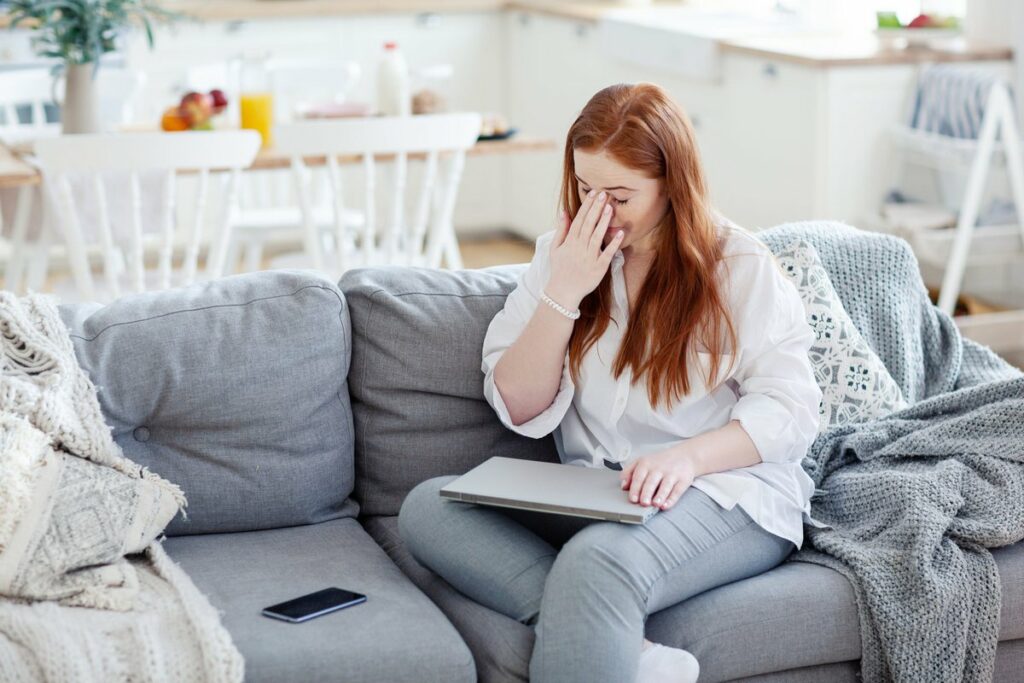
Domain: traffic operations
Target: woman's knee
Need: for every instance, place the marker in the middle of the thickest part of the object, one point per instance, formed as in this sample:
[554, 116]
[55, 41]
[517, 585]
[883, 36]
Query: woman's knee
[603, 551]
[420, 506]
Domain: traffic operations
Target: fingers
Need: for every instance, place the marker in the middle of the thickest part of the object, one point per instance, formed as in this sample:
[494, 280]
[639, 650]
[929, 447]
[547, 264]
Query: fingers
[635, 486]
[627, 473]
[581, 215]
[601, 228]
[650, 486]
[593, 216]
[678, 489]
[563, 228]
[664, 490]
[612, 247]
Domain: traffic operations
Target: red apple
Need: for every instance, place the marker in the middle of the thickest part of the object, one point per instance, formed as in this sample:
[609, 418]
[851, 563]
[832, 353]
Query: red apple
[921, 21]
[196, 108]
[220, 100]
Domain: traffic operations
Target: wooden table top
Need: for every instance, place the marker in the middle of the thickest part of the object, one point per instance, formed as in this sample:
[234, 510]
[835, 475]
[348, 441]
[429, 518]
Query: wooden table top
[16, 171]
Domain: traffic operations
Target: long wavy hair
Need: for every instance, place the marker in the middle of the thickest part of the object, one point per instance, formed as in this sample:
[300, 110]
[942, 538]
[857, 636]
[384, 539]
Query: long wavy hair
[680, 305]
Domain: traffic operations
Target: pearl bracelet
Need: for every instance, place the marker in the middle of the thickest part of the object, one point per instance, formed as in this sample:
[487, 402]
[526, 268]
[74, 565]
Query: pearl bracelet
[572, 315]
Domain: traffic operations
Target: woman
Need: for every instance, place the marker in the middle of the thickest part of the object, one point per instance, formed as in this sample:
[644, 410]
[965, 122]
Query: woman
[651, 339]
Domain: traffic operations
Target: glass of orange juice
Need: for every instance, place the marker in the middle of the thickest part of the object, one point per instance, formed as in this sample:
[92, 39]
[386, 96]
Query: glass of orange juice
[256, 102]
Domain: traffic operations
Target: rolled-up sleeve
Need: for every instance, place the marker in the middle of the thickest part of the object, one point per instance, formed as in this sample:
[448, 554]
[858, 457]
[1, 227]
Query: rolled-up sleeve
[779, 397]
[503, 331]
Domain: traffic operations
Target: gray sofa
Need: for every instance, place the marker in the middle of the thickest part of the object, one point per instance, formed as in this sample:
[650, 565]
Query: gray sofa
[296, 414]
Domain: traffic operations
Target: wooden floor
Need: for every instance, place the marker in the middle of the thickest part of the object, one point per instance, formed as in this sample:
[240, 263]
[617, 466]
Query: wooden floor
[480, 252]
[477, 252]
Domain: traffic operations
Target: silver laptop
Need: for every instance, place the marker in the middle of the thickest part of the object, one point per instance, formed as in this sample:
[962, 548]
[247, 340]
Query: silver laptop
[548, 487]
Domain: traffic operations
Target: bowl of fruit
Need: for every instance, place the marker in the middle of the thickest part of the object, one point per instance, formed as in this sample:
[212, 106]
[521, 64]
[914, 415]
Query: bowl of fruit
[195, 111]
[919, 31]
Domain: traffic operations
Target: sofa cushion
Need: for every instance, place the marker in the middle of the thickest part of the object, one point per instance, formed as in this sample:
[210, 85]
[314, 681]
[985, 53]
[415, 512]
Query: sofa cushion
[234, 389]
[396, 635]
[501, 646]
[855, 384]
[416, 380]
[66, 522]
[796, 615]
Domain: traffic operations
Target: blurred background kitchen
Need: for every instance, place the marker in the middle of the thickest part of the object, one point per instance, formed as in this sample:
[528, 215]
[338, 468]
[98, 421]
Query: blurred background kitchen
[891, 115]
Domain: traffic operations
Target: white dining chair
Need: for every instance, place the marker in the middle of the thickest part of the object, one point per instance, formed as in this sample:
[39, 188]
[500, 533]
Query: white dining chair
[24, 96]
[93, 160]
[269, 207]
[421, 234]
[28, 112]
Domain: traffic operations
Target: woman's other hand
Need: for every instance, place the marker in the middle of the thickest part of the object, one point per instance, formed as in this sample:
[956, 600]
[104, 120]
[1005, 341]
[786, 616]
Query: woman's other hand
[659, 478]
[578, 263]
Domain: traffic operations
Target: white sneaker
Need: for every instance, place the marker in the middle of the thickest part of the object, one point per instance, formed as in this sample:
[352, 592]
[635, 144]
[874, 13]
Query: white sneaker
[661, 664]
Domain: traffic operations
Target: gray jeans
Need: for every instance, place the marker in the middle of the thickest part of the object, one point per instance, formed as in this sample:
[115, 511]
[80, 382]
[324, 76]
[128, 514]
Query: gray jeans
[586, 586]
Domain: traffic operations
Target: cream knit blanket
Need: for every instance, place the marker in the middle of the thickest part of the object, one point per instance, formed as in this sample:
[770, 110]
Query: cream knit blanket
[87, 592]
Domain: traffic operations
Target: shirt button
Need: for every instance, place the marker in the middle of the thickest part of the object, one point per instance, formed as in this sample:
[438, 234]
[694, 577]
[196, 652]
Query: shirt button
[141, 434]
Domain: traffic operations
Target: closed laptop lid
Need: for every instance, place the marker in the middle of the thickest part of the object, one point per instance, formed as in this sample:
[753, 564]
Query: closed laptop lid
[548, 487]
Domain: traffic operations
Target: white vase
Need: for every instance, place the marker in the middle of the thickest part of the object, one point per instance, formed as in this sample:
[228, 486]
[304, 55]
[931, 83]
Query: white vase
[80, 111]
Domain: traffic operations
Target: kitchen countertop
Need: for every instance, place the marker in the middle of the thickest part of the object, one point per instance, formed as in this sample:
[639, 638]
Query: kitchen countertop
[837, 49]
[809, 48]
[237, 10]
[253, 9]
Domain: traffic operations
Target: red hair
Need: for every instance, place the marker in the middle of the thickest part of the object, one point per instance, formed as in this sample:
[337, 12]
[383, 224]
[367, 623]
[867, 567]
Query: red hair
[680, 304]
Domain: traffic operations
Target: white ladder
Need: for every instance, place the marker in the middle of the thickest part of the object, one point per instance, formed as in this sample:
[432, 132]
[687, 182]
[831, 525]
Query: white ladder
[999, 121]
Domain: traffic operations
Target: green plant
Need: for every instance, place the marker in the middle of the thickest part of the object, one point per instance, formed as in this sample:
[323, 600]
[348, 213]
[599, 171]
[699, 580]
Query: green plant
[80, 31]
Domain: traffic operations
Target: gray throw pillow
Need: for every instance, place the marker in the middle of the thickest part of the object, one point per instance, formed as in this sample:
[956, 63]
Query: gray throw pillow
[855, 384]
[235, 389]
[417, 388]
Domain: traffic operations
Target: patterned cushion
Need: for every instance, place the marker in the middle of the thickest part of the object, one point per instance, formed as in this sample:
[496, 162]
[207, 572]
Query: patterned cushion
[855, 384]
[69, 522]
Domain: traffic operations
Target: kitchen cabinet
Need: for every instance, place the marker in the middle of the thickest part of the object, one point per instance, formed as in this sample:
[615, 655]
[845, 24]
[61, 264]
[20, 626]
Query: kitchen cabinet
[554, 65]
[551, 68]
[809, 141]
[768, 170]
[781, 140]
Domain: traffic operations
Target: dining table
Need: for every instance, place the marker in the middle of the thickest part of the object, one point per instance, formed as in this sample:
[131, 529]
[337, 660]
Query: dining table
[20, 178]
[17, 169]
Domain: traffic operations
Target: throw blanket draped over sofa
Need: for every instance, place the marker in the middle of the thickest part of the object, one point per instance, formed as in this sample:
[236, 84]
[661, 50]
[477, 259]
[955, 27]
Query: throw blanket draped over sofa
[89, 593]
[915, 498]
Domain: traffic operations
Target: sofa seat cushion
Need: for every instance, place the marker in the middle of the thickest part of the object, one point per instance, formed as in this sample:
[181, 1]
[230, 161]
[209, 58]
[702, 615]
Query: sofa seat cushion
[397, 635]
[796, 617]
[1009, 664]
[416, 379]
[235, 389]
[501, 646]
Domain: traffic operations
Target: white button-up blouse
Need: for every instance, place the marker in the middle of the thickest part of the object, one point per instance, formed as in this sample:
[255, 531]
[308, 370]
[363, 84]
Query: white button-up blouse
[770, 388]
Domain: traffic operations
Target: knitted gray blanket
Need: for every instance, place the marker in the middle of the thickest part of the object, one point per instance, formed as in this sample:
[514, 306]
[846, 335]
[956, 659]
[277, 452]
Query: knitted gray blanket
[915, 499]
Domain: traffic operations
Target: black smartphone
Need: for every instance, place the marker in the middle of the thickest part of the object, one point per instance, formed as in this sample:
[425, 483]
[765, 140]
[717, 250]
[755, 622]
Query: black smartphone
[313, 605]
